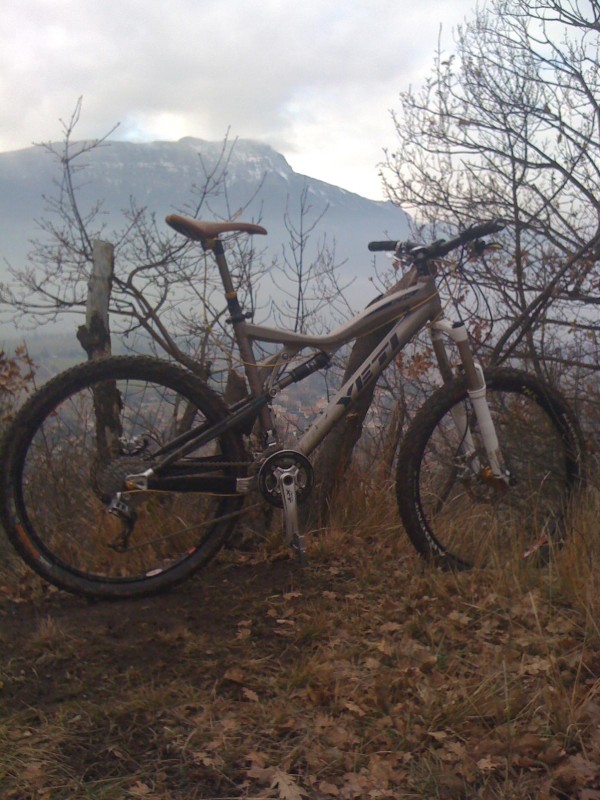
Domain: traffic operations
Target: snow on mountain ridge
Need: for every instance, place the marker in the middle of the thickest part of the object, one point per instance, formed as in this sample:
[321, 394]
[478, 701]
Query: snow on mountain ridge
[161, 176]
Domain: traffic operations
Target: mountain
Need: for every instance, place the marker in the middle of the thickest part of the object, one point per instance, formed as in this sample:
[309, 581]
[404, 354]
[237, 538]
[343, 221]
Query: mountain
[161, 177]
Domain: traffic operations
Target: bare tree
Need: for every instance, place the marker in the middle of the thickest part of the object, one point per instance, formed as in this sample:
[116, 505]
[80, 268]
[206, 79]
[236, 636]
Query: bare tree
[312, 297]
[509, 125]
[179, 310]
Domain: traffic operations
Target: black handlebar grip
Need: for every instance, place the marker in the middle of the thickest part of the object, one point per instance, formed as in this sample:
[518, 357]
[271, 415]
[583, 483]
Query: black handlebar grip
[441, 247]
[438, 249]
[485, 228]
[379, 246]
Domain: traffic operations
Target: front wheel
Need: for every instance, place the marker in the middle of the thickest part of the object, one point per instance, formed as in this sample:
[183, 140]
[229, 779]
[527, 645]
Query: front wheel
[68, 454]
[453, 508]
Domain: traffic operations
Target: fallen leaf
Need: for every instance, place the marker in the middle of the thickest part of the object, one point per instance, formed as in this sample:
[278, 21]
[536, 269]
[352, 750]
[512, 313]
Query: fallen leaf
[535, 665]
[329, 789]
[354, 708]
[250, 695]
[439, 736]
[531, 743]
[286, 786]
[139, 789]
[35, 774]
[235, 675]
[385, 647]
[464, 620]
[261, 774]
[390, 627]
[257, 758]
[488, 763]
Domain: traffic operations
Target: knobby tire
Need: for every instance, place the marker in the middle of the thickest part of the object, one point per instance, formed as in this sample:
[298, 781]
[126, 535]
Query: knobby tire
[461, 519]
[61, 469]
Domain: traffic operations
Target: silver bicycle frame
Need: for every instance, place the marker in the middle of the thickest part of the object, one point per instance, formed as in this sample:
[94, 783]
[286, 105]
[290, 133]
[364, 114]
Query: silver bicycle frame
[412, 309]
[406, 309]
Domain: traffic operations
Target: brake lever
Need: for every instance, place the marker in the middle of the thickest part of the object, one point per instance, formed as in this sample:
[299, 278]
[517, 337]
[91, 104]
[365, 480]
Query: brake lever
[479, 247]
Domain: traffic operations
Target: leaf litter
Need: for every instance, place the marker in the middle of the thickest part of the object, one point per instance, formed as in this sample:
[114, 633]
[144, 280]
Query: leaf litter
[357, 678]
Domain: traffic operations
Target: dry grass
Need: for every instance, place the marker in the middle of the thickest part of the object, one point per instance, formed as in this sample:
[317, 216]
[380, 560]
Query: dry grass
[370, 675]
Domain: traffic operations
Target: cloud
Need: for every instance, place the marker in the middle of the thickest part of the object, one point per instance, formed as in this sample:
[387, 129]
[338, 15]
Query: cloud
[308, 77]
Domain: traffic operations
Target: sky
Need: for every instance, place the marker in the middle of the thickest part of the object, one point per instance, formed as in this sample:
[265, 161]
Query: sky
[315, 79]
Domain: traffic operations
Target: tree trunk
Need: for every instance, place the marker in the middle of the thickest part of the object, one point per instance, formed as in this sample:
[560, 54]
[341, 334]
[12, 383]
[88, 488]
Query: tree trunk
[335, 454]
[94, 337]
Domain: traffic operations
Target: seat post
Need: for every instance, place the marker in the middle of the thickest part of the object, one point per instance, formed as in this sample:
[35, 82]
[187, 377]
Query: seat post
[238, 322]
[207, 233]
[216, 245]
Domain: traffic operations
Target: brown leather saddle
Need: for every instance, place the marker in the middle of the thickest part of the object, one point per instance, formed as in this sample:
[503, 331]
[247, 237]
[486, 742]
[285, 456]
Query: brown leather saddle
[206, 231]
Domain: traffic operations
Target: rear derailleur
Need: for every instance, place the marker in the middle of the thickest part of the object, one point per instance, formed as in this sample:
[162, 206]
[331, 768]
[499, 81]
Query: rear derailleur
[124, 512]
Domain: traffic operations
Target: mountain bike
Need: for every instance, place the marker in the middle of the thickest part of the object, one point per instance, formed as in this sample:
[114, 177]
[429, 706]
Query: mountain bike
[123, 476]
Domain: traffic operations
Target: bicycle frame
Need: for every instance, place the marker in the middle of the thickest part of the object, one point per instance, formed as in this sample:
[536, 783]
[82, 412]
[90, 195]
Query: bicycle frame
[410, 308]
[406, 309]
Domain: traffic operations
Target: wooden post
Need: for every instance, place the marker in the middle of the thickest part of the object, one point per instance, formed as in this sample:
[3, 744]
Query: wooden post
[94, 336]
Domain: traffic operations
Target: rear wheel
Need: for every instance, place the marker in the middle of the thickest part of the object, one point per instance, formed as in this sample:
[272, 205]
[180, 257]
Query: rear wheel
[67, 455]
[453, 508]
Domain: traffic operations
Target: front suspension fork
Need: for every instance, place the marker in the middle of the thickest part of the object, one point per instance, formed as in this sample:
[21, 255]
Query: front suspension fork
[477, 392]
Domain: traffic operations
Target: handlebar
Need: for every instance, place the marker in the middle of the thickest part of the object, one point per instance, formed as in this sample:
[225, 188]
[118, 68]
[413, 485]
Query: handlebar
[442, 246]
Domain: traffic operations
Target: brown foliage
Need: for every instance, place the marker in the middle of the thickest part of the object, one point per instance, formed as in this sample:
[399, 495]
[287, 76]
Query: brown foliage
[16, 378]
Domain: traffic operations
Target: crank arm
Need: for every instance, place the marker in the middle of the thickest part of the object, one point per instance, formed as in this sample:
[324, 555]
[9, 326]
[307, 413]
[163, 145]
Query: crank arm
[286, 479]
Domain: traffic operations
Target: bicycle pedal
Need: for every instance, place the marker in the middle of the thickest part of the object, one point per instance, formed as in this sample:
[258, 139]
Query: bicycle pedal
[301, 556]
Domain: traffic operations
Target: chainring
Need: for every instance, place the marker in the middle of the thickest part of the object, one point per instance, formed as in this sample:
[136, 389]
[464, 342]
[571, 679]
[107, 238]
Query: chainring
[285, 459]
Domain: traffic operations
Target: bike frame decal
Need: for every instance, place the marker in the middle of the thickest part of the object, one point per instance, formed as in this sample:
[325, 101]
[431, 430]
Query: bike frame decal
[367, 373]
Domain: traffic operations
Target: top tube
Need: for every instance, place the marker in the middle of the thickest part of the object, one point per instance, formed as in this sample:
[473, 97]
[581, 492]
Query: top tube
[380, 313]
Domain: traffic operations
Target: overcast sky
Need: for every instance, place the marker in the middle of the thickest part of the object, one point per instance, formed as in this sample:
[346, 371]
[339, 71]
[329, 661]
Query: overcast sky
[315, 79]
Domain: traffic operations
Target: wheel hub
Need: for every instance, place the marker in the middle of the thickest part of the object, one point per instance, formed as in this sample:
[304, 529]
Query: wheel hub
[108, 480]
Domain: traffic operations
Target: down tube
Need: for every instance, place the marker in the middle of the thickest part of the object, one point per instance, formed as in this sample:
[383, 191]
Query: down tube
[368, 372]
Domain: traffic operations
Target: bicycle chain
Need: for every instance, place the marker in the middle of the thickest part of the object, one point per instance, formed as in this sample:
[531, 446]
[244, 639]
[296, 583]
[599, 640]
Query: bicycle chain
[220, 464]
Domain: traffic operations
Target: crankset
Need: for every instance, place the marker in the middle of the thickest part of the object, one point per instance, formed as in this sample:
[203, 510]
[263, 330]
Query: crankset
[285, 479]
[288, 462]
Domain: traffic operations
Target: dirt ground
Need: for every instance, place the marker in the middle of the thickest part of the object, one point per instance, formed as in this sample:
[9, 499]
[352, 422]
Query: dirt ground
[136, 635]
[363, 676]
[89, 683]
